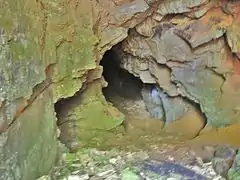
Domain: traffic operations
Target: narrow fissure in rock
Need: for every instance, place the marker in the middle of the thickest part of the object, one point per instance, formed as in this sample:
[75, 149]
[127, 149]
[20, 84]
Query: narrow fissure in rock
[67, 124]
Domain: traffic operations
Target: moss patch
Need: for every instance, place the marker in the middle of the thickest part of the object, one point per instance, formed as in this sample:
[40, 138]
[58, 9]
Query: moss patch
[31, 148]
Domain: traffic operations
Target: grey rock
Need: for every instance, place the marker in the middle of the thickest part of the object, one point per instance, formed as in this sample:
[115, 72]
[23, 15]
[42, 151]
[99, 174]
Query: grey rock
[234, 171]
[153, 102]
[166, 170]
[162, 106]
[223, 159]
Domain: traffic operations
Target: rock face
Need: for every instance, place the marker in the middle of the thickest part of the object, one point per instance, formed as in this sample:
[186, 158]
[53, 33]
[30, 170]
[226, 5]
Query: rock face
[234, 172]
[223, 160]
[190, 57]
[51, 50]
[161, 106]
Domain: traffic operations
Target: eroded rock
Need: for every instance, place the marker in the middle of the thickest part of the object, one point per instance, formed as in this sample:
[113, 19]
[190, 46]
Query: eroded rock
[153, 102]
[234, 172]
[163, 107]
[78, 114]
[223, 160]
[174, 7]
[190, 58]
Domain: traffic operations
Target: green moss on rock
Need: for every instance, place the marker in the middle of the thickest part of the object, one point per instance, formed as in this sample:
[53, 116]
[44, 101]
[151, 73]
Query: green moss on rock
[99, 116]
[94, 112]
[71, 40]
[31, 147]
[88, 117]
[128, 173]
[234, 171]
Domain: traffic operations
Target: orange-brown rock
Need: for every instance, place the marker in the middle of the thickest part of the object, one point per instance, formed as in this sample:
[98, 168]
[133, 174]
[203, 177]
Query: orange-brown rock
[189, 125]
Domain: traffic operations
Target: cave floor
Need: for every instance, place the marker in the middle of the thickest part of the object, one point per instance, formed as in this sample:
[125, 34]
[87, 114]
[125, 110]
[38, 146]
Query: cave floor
[121, 155]
[140, 130]
[132, 107]
[115, 164]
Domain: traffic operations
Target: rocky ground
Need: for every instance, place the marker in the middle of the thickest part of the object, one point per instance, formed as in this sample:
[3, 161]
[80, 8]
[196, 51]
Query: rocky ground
[163, 163]
[155, 163]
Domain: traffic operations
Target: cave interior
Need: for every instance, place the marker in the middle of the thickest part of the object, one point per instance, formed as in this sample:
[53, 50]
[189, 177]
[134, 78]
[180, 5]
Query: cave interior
[124, 92]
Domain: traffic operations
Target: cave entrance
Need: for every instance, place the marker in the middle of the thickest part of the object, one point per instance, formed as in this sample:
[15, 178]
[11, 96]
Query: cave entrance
[124, 89]
[139, 102]
[124, 92]
[146, 106]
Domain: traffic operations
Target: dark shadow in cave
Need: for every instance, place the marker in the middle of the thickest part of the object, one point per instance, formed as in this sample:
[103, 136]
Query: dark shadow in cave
[124, 89]
[119, 80]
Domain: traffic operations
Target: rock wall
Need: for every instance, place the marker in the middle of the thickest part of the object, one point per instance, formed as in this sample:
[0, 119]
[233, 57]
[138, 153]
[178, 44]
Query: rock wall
[194, 54]
[49, 50]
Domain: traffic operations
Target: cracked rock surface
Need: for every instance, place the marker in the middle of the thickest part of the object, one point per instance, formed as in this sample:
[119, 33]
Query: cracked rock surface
[194, 66]
[50, 73]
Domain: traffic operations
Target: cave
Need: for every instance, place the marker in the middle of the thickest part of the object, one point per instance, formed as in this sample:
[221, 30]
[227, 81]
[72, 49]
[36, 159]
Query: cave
[126, 92]
[133, 83]
[138, 101]
[123, 89]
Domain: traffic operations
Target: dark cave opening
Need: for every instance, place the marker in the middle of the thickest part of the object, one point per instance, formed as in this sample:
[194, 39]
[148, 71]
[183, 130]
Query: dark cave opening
[119, 80]
[126, 93]
[124, 89]
[134, 98]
